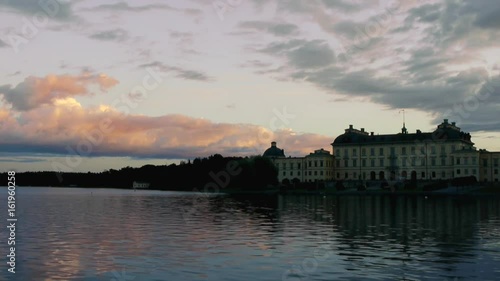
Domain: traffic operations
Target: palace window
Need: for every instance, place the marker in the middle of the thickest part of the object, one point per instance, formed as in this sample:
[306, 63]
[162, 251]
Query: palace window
[363, 152]
[363, 162]
[381, 162]
[403, 150]
[381, 151]
[346, 163]
[372, 151]
[354, 152]
[354, 163]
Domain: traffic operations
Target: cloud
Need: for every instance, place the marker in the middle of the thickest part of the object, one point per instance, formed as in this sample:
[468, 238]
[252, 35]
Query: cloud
[180, 72]
[423, 56]
[277, 29]
[486, 12]
[103, 131]
[303, 53]
[34, 92]
[118, 35]
[3, 44]
[57, 10]
[123, 6]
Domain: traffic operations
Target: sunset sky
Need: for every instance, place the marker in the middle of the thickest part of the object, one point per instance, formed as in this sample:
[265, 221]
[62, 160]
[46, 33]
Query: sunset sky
[125, 83]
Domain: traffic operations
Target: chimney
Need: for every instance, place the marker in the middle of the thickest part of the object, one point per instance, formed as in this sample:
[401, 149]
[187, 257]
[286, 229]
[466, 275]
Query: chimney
[371, 134]
[273, 144]
[350, 127]
[419, 132]
[363, 130]
[453, 123]
[445, 121]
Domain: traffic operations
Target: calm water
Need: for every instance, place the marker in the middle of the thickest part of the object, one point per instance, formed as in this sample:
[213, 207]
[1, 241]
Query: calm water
[121, 235]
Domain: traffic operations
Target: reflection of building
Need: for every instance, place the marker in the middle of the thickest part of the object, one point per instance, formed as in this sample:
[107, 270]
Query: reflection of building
[140, 185]
[317, 166]
[445, 153]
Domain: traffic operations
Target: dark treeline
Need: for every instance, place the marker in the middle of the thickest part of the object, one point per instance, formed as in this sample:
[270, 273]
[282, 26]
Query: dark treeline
[213, 172]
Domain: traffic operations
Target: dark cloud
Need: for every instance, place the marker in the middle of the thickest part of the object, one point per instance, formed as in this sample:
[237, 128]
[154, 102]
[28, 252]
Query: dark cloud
[57, 10]
[416, 76]
[180, 72]
[118, 35]
[3, 44]
[123, 6]
[486, 11]
[345, 6]
[277, 29]
[21, 159]
[303, 53]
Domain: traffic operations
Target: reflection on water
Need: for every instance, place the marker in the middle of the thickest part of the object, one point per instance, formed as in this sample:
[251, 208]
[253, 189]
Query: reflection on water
[104, 234]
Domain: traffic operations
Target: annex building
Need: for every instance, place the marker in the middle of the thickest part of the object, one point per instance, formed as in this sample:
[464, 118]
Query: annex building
[317, 166]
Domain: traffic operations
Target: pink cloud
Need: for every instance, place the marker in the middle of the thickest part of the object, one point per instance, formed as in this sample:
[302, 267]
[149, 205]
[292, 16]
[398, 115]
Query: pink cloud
[34, 91]
[101, 131]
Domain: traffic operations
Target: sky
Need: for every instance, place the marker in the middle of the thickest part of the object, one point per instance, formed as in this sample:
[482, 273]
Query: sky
[93, 85]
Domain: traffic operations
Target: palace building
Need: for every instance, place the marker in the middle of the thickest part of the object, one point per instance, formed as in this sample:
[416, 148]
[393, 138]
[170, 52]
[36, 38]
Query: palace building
[445, 153]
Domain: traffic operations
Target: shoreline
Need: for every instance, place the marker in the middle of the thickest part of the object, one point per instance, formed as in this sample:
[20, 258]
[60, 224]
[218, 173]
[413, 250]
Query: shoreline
[478, 191]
